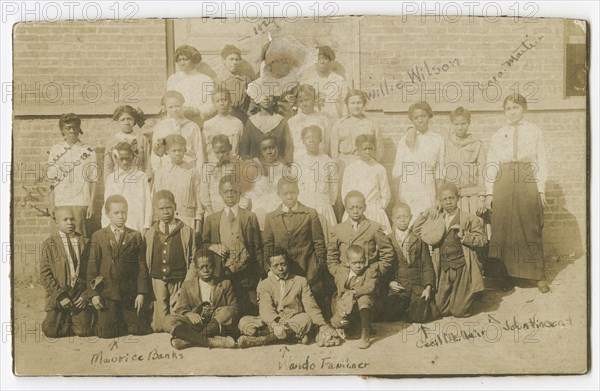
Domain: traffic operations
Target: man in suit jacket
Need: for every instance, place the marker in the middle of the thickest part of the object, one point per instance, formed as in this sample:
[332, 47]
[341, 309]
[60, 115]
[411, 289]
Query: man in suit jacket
[63, 270]
[412, 281]
[358, 230]
[233, 235]
[287, 308]
[118, 279]
[205, 307]
[297, 228]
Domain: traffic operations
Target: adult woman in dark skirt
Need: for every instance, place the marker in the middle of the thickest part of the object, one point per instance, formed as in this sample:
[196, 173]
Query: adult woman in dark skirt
[516, 175]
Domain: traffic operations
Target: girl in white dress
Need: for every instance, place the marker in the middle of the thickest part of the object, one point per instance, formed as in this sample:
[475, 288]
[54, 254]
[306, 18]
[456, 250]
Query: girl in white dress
[370, 178]
[308, 116]
[419, 161]
[132, 183]
[263, 196]
[318, 178]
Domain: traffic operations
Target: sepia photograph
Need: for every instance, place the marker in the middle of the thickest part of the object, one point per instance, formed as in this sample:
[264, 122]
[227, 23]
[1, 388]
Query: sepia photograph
[316, 193]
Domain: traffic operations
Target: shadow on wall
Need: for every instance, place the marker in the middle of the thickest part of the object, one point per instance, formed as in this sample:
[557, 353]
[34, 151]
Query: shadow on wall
[563, 243]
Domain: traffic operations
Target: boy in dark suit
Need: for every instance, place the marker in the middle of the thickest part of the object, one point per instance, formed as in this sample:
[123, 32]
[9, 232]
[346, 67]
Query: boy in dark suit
[233, 235]
[206, 305]
[118, 279]
[412, 280]
[356, 285]
[359, 230]
[297, 228]
[287, 308]
[63, 271]
[170, 246]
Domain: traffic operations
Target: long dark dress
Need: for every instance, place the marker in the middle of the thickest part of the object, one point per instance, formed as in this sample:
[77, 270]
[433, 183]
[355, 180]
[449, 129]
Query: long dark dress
[518, 215]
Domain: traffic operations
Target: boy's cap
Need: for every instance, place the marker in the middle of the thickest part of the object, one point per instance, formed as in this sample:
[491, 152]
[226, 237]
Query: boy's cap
[174, 139]
[433, 231]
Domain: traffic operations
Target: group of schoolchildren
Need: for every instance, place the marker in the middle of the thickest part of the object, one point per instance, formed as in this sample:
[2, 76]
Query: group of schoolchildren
[192, 248]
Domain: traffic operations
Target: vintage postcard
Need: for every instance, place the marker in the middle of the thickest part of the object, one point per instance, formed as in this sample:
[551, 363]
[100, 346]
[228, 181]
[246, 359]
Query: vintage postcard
[320, 195]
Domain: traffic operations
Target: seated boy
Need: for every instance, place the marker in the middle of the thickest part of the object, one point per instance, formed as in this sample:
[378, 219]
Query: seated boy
[355, 290]
[411, 284]
[287, 308]
[206, 304]
[63, 272]
[456, 255]
[117, 275]
[170, 246]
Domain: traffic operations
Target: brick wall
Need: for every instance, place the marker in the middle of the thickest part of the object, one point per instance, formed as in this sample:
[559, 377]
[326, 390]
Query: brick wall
[389, 48]
[88, 67]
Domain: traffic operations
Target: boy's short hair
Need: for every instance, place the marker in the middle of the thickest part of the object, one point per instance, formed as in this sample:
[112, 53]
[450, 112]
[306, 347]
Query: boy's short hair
[356, 250]
[355, 194]
[277, 251]
[401, 205]
[124, 146]
[515, 98]
[287, 180]
[447, 186]
[61, 209]
[190, 52]
[364, 138]
[270, 137]
[460, 112]
[204, 252]
[312, 128]
[174, 139]
[229, 179]
[172, 94]
[221, 91]
[114, 199]
[326, 51]
[229, 50]
[70, 119]
[164, 195]
[221, 139]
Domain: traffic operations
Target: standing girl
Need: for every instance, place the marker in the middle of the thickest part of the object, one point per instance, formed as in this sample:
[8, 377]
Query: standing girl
[176, 123]
[127, 117]
[370, 178]
[517, 180]
[318, 179]
[131, 182]
[419, 161]
[307, 116]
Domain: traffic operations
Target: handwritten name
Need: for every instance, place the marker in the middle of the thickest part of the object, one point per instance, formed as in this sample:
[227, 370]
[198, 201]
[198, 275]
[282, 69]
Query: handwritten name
[532, 323]
[102, 358]
[308, 364]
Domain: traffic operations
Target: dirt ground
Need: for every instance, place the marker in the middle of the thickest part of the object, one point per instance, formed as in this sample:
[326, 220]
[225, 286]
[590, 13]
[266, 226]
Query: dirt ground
[513, 332]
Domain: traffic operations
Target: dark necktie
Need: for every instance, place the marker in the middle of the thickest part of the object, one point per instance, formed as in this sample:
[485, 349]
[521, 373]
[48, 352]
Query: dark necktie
[231, 218]
[167, 230]
[72, 252]
[516, 144]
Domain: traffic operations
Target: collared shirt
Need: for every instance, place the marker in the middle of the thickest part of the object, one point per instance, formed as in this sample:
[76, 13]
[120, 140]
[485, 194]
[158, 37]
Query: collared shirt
[172, 225]
[231, 209]
[400, 235]
[530, 145]
[73, 272]
[449, 217]
[184, 182]
[281, 290]
[118, 232]
[189, 131]
[227, 125]
[286, 209]
[205, 290]
[71, 169]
